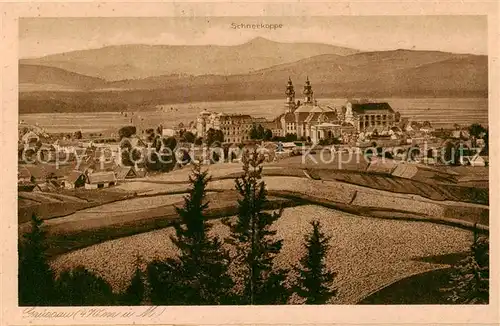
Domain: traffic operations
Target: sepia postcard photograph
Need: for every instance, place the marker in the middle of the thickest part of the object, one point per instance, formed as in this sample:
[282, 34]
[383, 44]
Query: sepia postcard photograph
[240, 160]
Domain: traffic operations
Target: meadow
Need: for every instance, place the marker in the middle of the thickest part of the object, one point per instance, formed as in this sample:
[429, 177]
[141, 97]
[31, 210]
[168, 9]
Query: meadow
[366, 253]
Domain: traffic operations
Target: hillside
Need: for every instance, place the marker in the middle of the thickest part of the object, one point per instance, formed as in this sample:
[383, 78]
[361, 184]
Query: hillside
[34, 77]
[141, 61]
[400, 73]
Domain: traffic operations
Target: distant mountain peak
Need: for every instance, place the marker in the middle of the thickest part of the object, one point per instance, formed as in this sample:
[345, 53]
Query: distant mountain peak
[136, 61]
[259, 40]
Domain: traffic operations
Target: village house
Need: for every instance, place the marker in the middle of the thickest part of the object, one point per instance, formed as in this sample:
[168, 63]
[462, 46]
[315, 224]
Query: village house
[75, 179]
[99, 180]
[167, 132]
[45, 187]
[25, 181]
[30, 138]
[129, 172]
[23, 174]
[42, 173]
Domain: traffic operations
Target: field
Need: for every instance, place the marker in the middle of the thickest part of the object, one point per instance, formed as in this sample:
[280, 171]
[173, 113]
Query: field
[366, 253]
[149, 204]
[379, 224]
[442, 112]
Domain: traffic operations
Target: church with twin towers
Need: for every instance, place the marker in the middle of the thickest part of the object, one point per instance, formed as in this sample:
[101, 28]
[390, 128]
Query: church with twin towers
[309, 120]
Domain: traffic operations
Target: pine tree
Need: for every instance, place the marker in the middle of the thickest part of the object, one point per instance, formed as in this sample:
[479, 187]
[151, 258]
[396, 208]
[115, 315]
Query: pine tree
[135, 292]
[314, 283]
[35, 279]
[81, 287]
[254, 241]
[199, 275]
[469, 282]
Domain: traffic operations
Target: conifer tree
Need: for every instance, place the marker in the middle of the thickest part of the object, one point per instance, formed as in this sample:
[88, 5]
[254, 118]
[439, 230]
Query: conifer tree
[314, 282]
[81, 287]
[254, 241]
[199, 275]
[135, 292]
[35, 278]
[469, 282]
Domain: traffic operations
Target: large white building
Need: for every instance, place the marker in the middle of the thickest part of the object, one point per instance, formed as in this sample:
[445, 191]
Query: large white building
[235, 127]
[311, 120]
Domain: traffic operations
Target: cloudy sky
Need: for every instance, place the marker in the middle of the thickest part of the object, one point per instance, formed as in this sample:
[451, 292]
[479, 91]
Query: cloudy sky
[461, 34]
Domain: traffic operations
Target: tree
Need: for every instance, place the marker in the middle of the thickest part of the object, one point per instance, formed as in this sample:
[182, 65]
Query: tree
[161, 156]
[314, 283]
[254, 241]
[35, 278]
[469, 282]
[199, 275]
[78, 134]
[127, 132]
[80, 287]
[476, 130]
[260, 132]
[151, 135]
[169, 142]
[268, 134]
[198, 141]
[188, 137]
[486, 142]
[253, 133]
[214, 135]
[134, 294]
[126, 152]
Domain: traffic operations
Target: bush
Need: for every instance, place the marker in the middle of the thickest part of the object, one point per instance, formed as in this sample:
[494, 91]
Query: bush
[127, 132]
[470, 277]
[188, 137]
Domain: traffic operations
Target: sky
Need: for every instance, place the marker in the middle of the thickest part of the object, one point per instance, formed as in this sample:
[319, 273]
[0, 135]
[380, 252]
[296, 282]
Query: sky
[460, 34]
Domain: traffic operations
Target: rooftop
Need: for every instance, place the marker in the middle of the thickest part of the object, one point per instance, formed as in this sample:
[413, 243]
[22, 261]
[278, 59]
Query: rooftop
[361, 108]
[101, 177]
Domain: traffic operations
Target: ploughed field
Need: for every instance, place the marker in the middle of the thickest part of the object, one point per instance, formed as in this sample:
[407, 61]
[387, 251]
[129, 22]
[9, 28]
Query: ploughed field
[366, 253]
[77, 219]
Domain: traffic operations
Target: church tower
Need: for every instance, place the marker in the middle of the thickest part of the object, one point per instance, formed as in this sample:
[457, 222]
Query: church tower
[290, 96]
[308, 92]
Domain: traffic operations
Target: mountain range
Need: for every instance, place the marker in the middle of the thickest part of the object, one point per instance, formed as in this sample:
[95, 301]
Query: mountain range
[148, 75]
[120, 62]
